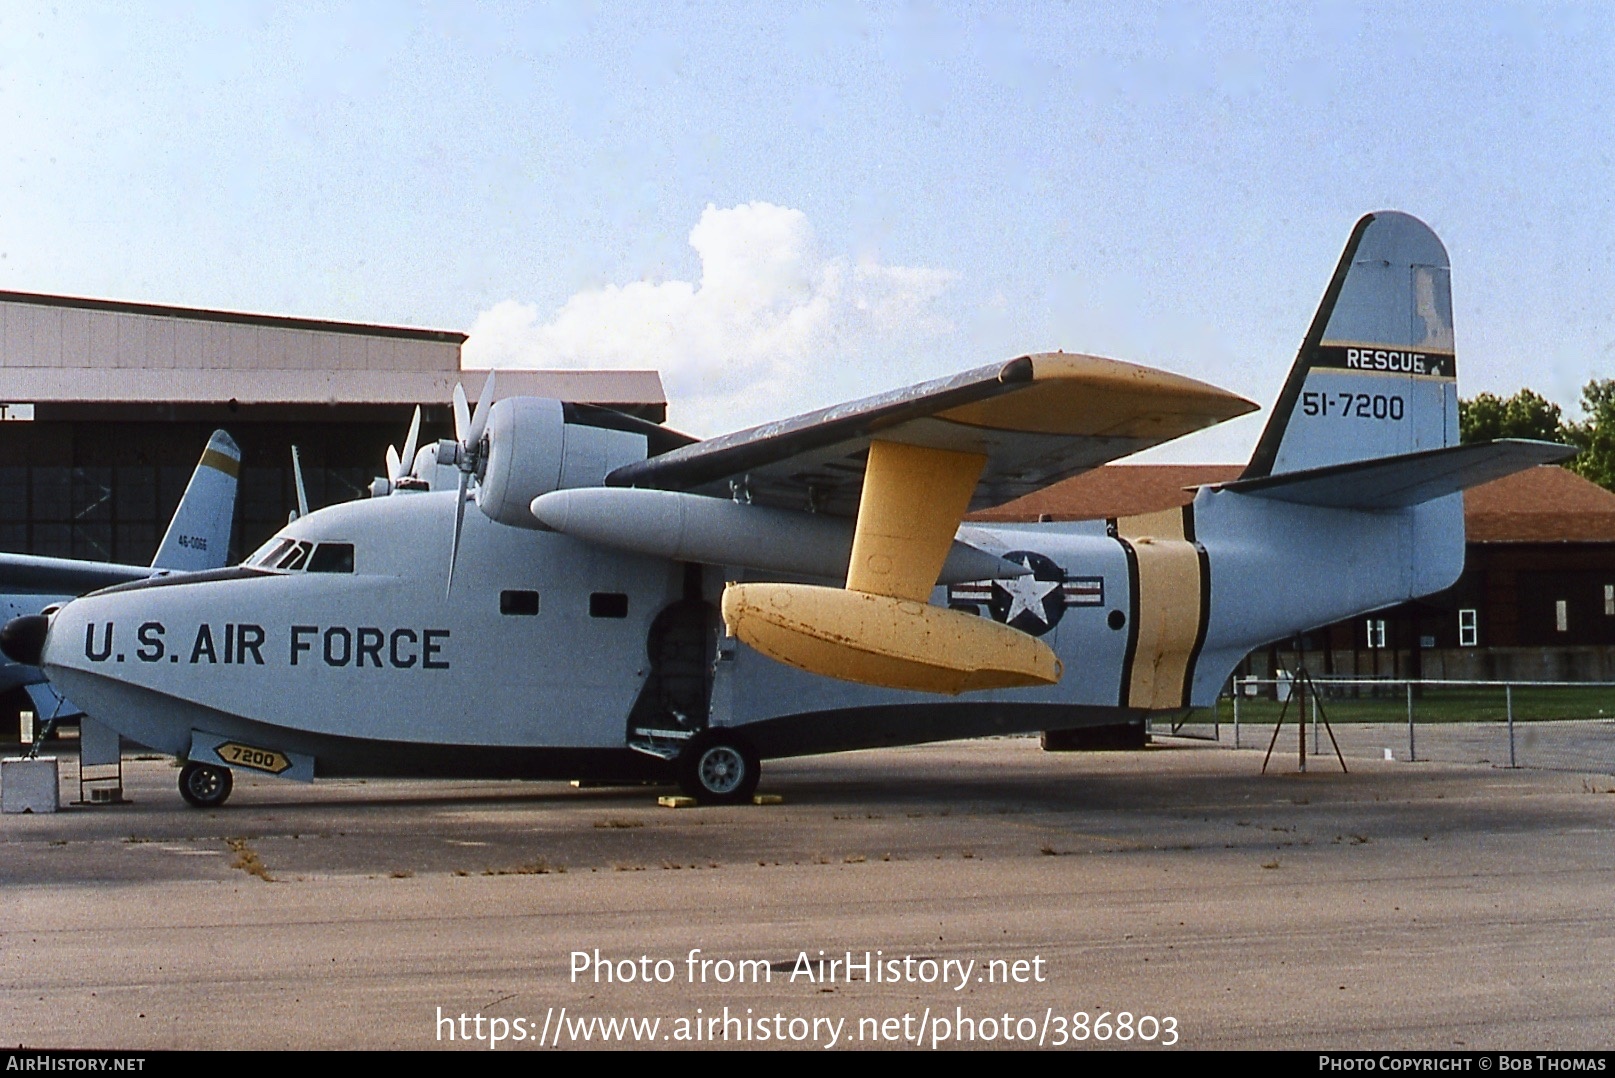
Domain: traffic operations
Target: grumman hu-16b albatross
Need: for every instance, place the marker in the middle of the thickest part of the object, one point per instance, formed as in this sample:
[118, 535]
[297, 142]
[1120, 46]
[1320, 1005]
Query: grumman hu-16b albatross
[625, 604]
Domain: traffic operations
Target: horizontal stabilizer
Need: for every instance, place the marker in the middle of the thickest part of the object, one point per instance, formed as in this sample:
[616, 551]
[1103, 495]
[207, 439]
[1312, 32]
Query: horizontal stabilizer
[1405, 480]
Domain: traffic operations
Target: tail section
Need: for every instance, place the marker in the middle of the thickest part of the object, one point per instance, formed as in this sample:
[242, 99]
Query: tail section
[1376, 375]
[199, 535]
[1351, 502]
[1403, 481]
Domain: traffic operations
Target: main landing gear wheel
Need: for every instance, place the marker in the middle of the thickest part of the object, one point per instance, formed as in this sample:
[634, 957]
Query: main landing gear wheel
[717, 768]
[204, 785]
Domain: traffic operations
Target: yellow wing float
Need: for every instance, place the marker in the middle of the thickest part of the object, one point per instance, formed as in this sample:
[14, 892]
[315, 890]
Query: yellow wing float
[909, 465]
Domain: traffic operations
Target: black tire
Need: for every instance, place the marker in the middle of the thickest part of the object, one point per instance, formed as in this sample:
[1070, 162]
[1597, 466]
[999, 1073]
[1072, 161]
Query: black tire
[718, 768]
[204, 785]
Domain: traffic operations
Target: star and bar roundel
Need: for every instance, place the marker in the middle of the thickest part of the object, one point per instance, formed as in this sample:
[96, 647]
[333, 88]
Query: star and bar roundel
[1033, 604]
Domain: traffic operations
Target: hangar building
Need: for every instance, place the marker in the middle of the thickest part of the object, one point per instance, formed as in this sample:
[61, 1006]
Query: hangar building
[105, 407]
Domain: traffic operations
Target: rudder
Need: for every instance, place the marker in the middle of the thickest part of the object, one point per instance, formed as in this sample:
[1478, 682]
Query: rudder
[1376, 375]
[199, 535]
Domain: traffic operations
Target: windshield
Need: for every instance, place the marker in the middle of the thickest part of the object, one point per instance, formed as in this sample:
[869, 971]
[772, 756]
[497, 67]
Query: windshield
[300, 555]
[270, 552]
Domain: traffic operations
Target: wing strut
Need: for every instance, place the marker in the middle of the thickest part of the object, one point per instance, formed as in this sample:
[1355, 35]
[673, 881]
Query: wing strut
[912, 502]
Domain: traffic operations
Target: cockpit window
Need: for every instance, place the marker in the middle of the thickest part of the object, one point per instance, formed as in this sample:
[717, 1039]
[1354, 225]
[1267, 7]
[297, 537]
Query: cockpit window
[295, 558]
[302, 556]
[270, 553]
[332, 558]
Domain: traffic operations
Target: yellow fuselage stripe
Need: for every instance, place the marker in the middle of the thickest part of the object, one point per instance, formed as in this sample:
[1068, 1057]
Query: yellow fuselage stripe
[1167, 608]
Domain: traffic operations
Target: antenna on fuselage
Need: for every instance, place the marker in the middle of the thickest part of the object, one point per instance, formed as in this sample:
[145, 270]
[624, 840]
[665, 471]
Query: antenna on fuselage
[302, 491]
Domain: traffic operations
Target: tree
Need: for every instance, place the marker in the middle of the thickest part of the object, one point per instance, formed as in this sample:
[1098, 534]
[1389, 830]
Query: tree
[1528, 415]
[1524, 415]
[1595, 435]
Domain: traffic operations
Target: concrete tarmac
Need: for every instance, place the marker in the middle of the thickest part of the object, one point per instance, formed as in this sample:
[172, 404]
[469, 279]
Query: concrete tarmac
[1004, 897]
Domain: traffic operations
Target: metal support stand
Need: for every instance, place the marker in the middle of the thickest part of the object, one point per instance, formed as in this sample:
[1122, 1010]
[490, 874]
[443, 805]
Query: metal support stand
[1236, 712]
[41, 733]
[1413, 754]
[100, 764]
[1508, 700]
[1302, 682]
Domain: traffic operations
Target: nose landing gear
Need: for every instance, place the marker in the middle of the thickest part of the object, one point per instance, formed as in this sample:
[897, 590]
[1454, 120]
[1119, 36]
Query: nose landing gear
[205, 785]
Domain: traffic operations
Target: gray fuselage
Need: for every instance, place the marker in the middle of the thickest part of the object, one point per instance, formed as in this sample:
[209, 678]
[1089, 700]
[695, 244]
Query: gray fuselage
[551, 656]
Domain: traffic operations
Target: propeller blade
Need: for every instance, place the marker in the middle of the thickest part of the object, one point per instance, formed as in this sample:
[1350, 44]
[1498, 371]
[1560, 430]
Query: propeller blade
[412, 442]
[479, 419]
[462, 414]
[459, 519]
[395, 466]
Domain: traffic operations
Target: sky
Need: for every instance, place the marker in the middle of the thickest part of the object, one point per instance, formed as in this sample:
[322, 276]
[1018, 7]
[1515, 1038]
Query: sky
[781, 207]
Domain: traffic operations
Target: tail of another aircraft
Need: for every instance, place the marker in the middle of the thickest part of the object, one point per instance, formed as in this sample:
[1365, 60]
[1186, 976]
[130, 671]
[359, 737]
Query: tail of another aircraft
[199, 535]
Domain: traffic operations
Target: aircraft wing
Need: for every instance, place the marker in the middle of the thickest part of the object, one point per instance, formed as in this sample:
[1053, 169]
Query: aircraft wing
[30, 574]
[1037, 419]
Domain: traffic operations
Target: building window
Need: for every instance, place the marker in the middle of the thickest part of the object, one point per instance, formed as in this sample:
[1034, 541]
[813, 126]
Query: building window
[1468, 630]
[1561, 616]
[1609, 600]
[1376, 632]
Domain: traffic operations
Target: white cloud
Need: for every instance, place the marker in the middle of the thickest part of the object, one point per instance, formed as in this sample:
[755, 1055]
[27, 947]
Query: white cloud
[771, 322]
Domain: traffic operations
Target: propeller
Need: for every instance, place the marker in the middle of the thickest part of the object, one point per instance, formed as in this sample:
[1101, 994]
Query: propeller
[408, 459]
[398, 467]
[466, 453]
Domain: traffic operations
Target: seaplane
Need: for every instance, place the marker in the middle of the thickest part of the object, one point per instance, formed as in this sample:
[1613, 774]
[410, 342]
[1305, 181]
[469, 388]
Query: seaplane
[596, 597]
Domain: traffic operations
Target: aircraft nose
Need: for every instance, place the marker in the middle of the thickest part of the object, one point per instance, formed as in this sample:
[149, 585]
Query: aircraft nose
[23, 639]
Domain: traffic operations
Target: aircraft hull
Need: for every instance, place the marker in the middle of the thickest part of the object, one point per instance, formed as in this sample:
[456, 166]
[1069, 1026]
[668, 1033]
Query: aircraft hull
[164, 724]
[391, 673]
[385, 637]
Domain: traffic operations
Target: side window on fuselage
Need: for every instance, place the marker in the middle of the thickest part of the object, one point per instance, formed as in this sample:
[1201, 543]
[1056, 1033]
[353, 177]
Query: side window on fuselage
[331, 558]
[301, 556]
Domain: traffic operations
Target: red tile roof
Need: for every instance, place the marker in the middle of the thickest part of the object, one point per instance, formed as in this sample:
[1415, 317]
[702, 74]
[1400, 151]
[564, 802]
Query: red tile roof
[1541, 505]
[1116, 490]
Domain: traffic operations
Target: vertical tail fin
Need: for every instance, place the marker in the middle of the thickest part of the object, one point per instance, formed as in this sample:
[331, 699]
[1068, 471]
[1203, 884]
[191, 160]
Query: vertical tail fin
[1376, 375]
[199, 535]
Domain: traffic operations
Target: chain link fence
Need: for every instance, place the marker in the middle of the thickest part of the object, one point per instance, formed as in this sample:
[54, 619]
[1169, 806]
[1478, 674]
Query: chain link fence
[1540, 724]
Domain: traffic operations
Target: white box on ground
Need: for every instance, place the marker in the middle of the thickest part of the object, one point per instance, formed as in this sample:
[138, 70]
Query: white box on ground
[29, 785]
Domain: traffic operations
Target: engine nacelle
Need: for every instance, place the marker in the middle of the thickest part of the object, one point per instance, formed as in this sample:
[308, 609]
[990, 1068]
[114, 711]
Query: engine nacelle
[532, 450]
